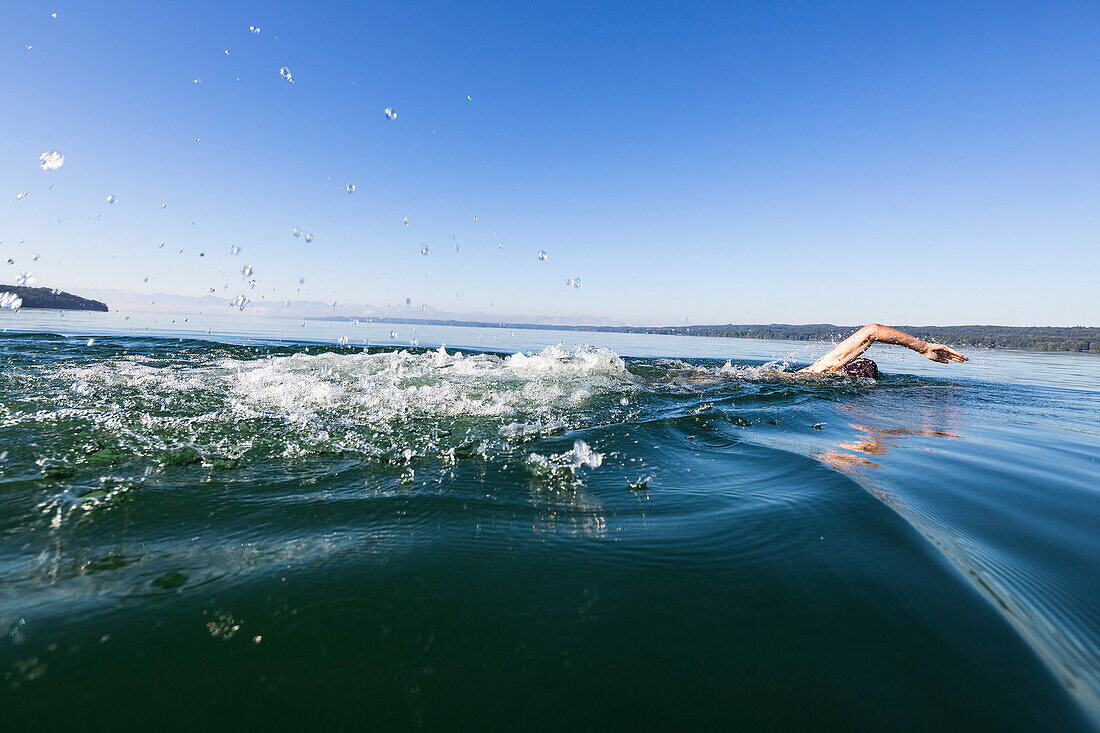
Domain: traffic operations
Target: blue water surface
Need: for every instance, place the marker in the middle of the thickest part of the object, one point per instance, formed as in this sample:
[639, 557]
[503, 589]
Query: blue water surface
[253, 522]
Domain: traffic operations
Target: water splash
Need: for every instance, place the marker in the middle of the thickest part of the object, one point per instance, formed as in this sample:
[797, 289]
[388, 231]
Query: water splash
[438, 405]
[51, 160]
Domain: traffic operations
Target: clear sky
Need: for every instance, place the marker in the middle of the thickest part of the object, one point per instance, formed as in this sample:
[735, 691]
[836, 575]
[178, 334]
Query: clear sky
[905, 162]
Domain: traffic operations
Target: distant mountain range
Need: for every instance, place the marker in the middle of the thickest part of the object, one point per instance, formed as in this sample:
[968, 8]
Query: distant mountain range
[53, 299]
[265, 307]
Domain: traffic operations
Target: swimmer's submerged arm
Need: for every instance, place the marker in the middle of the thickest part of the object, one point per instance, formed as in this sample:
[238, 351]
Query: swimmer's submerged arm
[851, 347]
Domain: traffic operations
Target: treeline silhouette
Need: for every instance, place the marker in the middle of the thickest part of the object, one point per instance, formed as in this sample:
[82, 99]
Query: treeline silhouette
[52, 299]
[1028, 338]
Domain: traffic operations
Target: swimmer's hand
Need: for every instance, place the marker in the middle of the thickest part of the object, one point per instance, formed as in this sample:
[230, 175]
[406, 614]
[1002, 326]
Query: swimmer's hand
[942, 354]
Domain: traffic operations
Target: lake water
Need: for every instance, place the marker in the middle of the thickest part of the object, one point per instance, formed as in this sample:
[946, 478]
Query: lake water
[207, 521]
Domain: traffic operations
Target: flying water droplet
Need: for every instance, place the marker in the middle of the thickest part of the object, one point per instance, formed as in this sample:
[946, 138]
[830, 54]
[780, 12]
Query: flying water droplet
[351, 187]
[543, 255]
[10, 301]
[197, 81]
[91, 342]
[240, 302]
[296, 232]
[391, 113]
[285, 73]
[309, 238]
[573, 282]
[234, 250]
[51, 160]
[406, 221]
[342, 341]
[21, 195]
[425, 250]
[25, 278]
[111, 198]
[254, 30]
[160, 246]
[246, 271]
[393, 334]
[53, 15]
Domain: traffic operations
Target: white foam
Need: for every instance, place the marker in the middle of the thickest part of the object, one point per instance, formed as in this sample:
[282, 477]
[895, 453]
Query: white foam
[375, 403]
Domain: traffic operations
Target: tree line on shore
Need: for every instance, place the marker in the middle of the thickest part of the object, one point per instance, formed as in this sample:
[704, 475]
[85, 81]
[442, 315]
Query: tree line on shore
[1028, 338]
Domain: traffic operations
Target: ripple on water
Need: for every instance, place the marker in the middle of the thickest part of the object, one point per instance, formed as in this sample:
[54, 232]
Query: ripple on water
[145, 474]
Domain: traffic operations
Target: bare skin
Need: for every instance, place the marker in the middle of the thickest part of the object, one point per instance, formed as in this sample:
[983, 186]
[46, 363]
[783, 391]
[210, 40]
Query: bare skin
[851, 347]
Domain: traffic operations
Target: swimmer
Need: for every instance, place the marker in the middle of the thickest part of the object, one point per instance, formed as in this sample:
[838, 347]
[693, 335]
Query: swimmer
[844, 359]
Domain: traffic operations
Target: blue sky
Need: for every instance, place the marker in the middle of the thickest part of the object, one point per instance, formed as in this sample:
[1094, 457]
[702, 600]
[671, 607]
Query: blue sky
[708, 163]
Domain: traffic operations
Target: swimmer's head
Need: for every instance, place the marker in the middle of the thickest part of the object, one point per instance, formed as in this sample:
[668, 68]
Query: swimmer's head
[861, 368]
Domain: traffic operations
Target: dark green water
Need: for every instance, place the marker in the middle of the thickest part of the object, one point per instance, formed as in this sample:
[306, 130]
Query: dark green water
[200, 535]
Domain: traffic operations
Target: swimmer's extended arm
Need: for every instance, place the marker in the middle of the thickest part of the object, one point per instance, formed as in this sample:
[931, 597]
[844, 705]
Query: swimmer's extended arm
[851, 347]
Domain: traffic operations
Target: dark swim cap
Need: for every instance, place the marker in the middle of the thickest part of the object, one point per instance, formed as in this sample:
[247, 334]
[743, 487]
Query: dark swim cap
[861, 368]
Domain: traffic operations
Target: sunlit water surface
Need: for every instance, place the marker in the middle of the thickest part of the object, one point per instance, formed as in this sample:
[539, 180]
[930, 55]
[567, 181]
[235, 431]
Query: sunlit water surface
[209, 521]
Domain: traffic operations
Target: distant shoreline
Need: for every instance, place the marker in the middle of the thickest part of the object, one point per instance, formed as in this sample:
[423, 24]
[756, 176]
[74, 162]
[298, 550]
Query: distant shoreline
[50, 299]
[1078, 339]
[1072, 339]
